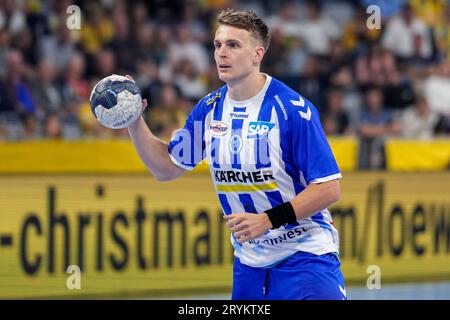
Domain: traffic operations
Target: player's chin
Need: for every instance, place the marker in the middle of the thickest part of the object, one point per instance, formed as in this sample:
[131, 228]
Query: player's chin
[224, 75]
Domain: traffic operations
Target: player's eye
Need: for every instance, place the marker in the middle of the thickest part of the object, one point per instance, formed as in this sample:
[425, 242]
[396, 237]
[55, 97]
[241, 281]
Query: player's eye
[217, 45]
[233, 45]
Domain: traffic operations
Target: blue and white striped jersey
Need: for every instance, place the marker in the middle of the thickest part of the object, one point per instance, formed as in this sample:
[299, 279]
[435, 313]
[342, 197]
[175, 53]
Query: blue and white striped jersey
[262, 152]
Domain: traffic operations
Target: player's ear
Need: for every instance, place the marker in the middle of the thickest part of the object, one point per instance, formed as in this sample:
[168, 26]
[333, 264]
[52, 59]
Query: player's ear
[259, 54]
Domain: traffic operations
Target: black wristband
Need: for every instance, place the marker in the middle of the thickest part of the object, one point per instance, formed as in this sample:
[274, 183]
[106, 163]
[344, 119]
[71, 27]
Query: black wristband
[281, 215]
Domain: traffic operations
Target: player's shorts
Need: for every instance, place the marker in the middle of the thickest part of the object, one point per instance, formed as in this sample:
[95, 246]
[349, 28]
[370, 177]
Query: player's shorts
[303, 276]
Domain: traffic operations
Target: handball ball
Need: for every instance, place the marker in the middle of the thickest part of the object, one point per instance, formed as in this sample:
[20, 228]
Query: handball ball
[116, 102]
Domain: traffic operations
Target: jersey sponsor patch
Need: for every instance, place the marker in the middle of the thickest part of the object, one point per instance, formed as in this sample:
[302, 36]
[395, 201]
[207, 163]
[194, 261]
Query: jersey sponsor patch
[258, 129]
[218, 128]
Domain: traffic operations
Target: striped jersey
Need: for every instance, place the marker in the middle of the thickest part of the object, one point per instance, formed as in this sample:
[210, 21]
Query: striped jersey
[262, 152]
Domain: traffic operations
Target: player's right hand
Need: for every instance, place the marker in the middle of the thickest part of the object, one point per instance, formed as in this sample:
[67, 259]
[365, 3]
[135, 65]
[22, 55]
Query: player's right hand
[144, 101]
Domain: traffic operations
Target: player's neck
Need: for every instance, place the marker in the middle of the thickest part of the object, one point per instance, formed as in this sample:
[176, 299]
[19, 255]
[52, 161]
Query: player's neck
[247, 87]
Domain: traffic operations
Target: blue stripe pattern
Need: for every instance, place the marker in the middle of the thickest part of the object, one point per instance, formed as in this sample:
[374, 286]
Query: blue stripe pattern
[236, 129]
[274, 197]
[225, 204]
[265, 114]
[247, 202]
[319, 219]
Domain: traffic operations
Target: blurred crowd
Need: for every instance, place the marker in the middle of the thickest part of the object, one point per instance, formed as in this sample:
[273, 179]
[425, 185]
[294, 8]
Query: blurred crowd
[373, 83]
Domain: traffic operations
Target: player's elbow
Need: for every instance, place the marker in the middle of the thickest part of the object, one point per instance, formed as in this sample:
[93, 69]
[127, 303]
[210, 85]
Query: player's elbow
[334, 191]
[169, 173]
[163, 177]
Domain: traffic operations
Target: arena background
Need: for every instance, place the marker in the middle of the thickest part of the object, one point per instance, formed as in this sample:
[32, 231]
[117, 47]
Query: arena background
[75, 193]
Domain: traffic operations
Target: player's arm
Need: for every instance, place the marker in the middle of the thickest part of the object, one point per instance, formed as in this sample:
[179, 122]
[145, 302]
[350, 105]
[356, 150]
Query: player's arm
[314, 198]
[153, 151]
[314, 158]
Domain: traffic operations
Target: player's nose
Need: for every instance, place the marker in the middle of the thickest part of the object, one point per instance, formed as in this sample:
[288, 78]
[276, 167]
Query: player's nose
[222, 52]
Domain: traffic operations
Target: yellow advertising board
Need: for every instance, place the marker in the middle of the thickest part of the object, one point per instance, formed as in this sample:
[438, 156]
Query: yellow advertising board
[110, 156]
[131, 235]
[415, 155]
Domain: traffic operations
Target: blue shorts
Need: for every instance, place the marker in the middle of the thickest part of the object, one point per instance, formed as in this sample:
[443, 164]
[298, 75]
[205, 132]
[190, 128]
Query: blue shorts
[303, 276]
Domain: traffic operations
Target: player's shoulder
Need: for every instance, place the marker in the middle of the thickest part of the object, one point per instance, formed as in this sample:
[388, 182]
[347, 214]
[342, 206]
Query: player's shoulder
[291, 103]
[209, 101]
[215, 96]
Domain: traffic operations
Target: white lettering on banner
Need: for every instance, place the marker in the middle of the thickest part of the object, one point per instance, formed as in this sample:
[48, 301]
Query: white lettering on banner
[74, 280]
[374, 21]
[374, 280]
[73, 21]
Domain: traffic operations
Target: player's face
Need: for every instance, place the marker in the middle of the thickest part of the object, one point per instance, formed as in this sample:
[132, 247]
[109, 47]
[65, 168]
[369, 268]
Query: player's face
[237, 53]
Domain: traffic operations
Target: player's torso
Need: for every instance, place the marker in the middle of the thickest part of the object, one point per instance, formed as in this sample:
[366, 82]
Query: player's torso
[243, 148]
[248, 155]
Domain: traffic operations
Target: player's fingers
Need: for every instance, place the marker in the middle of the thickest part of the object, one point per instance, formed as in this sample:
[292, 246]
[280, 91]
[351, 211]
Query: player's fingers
[233, 222]
[129, 77]
[243, 238]
[144, 103]
[240, 234]
[239, 227]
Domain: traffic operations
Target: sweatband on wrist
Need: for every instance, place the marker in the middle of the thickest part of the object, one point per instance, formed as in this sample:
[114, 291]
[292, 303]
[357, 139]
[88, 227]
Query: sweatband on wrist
[281, 215]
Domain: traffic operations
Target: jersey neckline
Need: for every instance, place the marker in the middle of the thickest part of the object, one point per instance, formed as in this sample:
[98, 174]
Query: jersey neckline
[256, 97]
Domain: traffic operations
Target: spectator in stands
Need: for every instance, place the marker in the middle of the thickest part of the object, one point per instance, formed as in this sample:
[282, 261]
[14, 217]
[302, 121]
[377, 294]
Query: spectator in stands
[429, 11]
[23, 41]
[45, 91]
[146, 46]
[286, 20]
[105, 63]
[167, 114]
[188, 80]
[123, 44]
[418, 121]
[12, 16]
[52, 127]
[376, 124]
[335, 120]
[98, 29]
[318, 31]
[296, 58]
[30, 127]
[442, 33]
[275, 61]
[398, 90]
[437, 88]
[351, 95]
[185, 47]
[5, 47]
[374, 67]
[139, 16]
[311, 82]
[15, 94]
[194, 21]
[57, 46]
[404, 32]
[75, 86]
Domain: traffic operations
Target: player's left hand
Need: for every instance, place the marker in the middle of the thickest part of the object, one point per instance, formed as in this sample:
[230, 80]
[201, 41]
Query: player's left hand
[248, 226]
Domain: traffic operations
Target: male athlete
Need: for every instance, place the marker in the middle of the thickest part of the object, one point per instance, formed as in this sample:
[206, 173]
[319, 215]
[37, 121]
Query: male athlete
[272, 167]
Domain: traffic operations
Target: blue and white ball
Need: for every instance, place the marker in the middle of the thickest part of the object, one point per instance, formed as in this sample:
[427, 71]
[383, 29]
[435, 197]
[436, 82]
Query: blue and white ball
[116, 102]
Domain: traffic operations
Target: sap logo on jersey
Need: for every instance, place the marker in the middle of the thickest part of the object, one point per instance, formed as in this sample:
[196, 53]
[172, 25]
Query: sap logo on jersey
[218, 128]
[257, 129]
